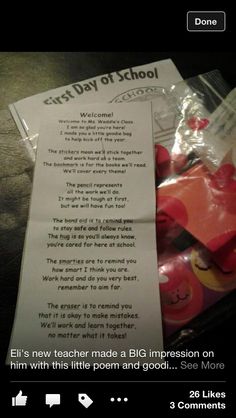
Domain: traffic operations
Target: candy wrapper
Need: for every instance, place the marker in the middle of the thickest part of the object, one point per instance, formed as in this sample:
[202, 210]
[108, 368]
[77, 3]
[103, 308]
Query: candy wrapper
[196, 201]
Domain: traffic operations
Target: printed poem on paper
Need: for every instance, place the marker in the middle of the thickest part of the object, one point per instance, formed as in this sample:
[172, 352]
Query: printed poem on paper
[89, 277]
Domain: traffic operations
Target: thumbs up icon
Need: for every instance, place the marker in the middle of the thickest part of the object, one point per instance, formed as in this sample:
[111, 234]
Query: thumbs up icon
[19, 400]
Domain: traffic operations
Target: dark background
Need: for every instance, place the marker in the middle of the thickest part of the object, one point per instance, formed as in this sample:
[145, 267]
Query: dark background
[23, 74]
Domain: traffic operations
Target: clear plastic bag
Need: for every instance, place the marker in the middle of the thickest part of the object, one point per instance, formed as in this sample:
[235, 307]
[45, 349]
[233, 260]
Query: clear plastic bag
[196, 201]
[207, 118]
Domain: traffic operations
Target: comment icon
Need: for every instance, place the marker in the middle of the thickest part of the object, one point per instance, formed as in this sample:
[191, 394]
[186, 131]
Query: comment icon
[53, 399]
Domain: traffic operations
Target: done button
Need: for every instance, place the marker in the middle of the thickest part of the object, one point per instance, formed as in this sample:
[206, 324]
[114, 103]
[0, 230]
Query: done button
[206, 21]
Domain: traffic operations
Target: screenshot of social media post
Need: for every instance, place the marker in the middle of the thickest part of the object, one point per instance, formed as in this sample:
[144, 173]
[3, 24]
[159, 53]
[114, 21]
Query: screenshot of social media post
[117, 230]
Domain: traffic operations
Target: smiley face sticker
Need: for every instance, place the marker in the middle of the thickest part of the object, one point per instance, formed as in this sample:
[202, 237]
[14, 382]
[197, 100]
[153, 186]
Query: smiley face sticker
[209, 273]
[181, 292]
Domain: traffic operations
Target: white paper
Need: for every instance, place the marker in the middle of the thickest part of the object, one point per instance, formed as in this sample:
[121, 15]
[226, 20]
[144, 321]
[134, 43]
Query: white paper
[142, 83]
[93, 208]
